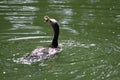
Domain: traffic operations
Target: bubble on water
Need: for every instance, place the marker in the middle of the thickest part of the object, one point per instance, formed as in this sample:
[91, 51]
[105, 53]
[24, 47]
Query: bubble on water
[102, 23]
[113, 32]
[29, 75]
[103, 77]
[14, 55]
[4, 72]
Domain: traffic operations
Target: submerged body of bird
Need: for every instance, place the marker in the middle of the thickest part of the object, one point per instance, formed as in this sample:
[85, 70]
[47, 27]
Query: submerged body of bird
[41, 53]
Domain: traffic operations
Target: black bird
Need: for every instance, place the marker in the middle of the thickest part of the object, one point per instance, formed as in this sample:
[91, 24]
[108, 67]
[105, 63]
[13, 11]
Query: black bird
[55, 27]
[46, 52]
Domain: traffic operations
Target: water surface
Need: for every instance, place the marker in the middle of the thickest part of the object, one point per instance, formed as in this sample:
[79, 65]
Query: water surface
[90, 36]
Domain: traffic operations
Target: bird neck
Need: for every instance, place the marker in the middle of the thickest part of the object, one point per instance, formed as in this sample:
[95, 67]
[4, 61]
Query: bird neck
[55, 27]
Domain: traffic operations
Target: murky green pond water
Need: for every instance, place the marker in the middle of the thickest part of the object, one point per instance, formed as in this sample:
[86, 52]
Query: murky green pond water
[90, 36]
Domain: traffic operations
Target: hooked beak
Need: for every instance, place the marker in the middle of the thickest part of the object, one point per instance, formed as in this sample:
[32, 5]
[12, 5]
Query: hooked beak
[46, 18]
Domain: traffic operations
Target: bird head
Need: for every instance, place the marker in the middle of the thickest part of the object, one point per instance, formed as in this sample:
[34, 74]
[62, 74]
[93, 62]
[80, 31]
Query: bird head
[47, 19]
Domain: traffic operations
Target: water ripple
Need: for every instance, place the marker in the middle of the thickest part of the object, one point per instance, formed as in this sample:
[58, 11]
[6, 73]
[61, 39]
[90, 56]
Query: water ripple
[72, 43]
[26, 38]
[21, 19]
[18, 13]
[18, 1]
[117, 19]
[59, 1]
[36, 32]
[18, 8]
[94, 1]
[71, 30]
[20, 16]
[24, 26]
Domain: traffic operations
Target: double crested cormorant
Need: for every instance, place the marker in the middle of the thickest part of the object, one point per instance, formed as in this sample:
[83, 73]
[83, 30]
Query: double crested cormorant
[46, 52]
[55, 27]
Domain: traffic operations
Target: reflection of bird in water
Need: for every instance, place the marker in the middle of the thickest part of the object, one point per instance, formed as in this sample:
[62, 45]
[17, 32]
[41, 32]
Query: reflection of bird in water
[46, 52]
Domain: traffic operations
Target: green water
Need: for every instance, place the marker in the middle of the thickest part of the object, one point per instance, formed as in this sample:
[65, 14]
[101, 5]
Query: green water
[89, 34]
